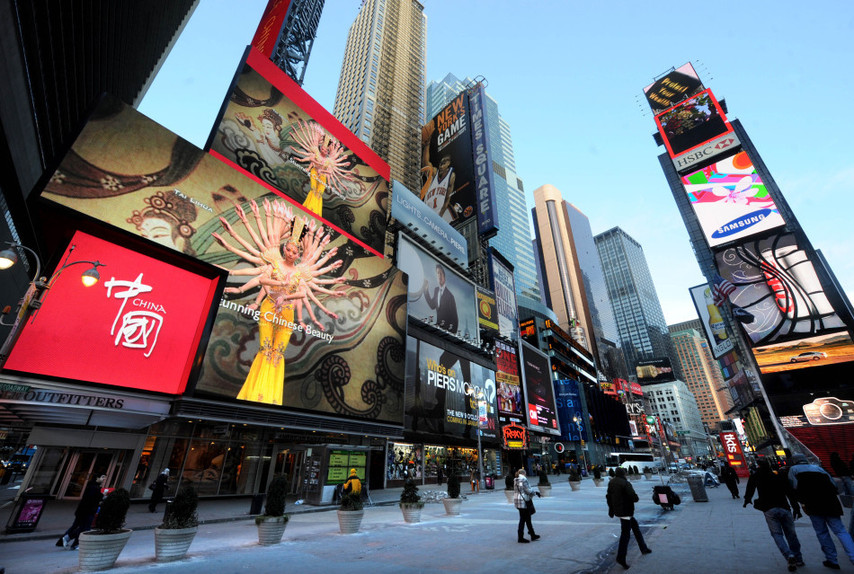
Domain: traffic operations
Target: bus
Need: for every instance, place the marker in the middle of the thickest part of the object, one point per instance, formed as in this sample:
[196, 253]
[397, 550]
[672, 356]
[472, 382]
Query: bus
[642, 460]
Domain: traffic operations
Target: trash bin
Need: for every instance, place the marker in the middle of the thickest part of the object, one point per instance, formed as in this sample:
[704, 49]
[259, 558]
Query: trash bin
[489, 482]
[698, 489]
[257, 504]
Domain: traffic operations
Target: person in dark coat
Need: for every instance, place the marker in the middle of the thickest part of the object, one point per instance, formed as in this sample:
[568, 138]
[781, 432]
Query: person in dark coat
[774, 499]
[840, 469]
[85, 512]
[522, 493]
[158, 490]
[730, 478]
[817, 493]
[621, 499]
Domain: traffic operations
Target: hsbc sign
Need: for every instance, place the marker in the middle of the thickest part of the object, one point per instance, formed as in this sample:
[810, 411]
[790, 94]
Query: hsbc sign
[710, 149]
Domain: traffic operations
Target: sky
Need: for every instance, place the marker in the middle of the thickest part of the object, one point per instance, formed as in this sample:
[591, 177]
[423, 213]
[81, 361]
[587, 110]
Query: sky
[568, 78]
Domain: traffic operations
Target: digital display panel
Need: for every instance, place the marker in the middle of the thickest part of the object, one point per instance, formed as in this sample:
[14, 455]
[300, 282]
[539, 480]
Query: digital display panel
[274, 131]
[805, 353]
[504, 286]
[714, 326]
[689, 124]
[539, 391]
[654, 371]
[138, 327]
[510, 398]
[570, 411]
[672, 88]
[730, 200]
[445, 392]
[778, 292]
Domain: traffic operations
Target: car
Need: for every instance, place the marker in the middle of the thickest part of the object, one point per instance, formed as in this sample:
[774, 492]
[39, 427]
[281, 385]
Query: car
[808, 356]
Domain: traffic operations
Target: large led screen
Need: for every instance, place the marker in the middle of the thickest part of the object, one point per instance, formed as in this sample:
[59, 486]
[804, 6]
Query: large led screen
[510, 398]
[570, 411]
[446, 394]
[539, 391]
[689, 124]
[437, 295]
[657, 370]
[672, 88]
[279, 135]
[777, 290]
[504, 285]
[138, 327]
[316, 317]
[805, 353]
[714, 327]
[818, 396]
[731, 200]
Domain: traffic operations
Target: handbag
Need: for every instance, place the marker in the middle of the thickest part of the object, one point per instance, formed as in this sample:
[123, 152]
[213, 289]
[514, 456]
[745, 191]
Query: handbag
[529, 504]
[151, 486]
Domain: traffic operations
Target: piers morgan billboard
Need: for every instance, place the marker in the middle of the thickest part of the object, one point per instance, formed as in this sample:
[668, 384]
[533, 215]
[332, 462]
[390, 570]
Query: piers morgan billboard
[274, 131]
[311, 320]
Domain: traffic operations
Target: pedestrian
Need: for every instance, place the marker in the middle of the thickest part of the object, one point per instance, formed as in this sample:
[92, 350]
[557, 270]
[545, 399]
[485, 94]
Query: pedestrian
[730, 478]
[475, 481]
[158, 487]
[85, 513]
[774, 499]
[841, 470]
[353, 484]
[440, 475]
[621, 497]
[817, 493]
[522, 500]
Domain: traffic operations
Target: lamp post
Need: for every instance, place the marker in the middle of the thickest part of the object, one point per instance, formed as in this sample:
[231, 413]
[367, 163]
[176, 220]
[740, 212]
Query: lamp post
[481, 421]
[37, 289]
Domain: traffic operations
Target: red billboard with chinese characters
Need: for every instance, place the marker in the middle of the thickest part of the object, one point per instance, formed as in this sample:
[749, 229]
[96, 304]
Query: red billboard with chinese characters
[270, 26]
[734, 454]
[138, 327]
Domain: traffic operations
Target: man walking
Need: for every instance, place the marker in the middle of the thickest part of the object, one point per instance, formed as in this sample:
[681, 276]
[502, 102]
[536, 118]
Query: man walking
[773, 500]
[621, 499]
[730, 478]
[817, 493]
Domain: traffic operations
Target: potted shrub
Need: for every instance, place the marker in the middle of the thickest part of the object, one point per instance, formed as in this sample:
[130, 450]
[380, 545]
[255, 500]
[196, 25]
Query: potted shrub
[508, 487]
[611, 473]
[172, 539]
[453, 502]
[410, 502]
[633, 473]
[574, 478]
[99, 548]
[350, 513]
[647, 473]
[597, 476]
[271, 525]
[545, 487]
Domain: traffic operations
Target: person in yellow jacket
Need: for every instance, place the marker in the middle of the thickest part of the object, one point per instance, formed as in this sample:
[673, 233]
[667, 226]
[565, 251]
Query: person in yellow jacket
[353, 484]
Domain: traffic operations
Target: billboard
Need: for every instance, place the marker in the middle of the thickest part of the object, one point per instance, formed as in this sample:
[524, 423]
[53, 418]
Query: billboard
[570, 410]
[486, 311]
[438, 295]
[817, 396]
[132, 329]
[504, 286]
[487, 218]
[672, 88]
[270, 26]
[443, 391]
[714, 327]
[510, 401]
[348, 307]
[415, 215]
[777, 289]
[273, 130]
[657, 370]
[805, 353]
[539, 391]
[730, 200]
[695, 130]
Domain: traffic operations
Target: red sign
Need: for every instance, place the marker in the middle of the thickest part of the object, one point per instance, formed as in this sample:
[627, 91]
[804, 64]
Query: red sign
[734, 454]
[139, 327]
[270, 26]
[515, 437]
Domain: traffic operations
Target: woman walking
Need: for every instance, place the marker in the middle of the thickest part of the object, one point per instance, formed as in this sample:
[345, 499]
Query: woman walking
[157, 489]
[522, 493]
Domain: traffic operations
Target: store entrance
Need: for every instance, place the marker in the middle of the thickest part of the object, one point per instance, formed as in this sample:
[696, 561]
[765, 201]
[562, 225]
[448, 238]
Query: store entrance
[82, 464]
[288, 462]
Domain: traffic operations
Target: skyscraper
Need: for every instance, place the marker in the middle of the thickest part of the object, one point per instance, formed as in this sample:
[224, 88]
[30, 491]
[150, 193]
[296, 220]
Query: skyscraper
[634, 301]
[513, 239]
[380, 93]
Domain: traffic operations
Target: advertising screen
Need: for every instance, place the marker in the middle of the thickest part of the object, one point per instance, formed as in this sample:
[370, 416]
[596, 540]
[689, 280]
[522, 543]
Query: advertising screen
[539, 391]
[443, 392]
[409, 211]
[510, 401]
[822, 395]
[691, 123]
[276, 133]
[438, 295]
[714, 327]
[270, 26]
[654, 371]
[672, 88]
[139, 327]
[320, 322]
[486, 311]
[569, 410]
[777, 290]
[505, 296]
[805, 353]
[730, 200]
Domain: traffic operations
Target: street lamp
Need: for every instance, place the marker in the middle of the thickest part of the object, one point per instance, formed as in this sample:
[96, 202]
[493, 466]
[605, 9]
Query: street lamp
[38, 288]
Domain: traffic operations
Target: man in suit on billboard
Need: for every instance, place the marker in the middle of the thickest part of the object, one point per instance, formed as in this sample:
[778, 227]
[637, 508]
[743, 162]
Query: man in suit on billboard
[442, 300]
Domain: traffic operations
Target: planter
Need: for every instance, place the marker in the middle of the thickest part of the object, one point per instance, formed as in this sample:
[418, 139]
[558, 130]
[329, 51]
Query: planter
[545, 490]
[350, 520]
[452, 505]
[575, 484]
[598, 481]
[172, 543]
[411, 512]
[270, 529]
[509, 495]
[647, 475]
[100, 551]
[634, 477]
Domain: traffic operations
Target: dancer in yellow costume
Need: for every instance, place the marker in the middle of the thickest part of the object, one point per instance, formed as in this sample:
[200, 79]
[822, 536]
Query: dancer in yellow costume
[289, 281]
[328, 162]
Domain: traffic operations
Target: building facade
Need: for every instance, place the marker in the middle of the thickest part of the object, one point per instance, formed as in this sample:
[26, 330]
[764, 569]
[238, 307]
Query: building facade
[380, 94]
[675, 404]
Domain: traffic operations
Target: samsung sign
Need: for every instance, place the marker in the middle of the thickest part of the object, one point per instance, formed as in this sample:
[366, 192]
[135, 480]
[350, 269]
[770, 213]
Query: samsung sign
[710, 149]
[427, 224]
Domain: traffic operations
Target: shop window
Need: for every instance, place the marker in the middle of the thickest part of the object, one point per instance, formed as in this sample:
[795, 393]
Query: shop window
[204, 465]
